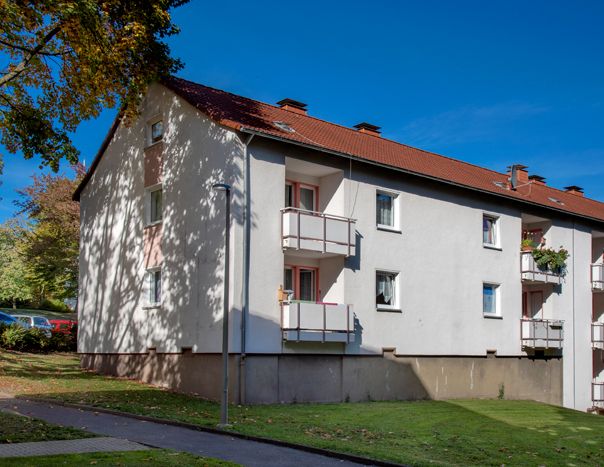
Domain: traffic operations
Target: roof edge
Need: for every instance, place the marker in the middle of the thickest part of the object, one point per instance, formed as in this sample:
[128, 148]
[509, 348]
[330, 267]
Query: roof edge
[244, 129]
[97, 158]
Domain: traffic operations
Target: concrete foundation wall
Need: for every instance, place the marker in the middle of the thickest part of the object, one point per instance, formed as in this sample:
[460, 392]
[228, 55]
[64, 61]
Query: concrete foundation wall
[338, 378]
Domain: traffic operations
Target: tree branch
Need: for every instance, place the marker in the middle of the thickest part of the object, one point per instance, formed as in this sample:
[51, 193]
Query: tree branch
[20, 68]
[30, 51]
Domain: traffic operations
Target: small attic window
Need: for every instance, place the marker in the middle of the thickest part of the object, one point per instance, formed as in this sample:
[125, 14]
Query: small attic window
[157, 131]
[555, 200]
[284, 126]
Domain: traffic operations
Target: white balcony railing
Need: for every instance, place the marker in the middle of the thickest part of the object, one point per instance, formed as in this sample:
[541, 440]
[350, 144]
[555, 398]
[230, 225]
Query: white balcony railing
[541, 333]
[597, 335]
[597, 277]
[531, 272]
[317, 232]
[597, 393]
[317, 322]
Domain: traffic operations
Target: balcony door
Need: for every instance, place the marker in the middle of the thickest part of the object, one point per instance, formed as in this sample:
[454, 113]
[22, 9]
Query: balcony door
[532, 304]
[300, 195]
[303, 281]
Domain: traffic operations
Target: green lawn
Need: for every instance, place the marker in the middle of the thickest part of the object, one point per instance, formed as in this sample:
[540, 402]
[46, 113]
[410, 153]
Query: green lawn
[477, 432]
[133, 458]
[18, 429]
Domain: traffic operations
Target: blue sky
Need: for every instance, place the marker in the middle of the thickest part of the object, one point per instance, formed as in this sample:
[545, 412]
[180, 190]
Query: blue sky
[492, 83]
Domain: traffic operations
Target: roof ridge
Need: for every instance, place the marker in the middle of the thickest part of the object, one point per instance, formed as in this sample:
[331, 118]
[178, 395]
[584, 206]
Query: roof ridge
[352, 131]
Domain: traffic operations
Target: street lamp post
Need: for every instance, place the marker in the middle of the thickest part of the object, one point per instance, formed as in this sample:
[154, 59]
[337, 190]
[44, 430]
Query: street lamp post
[224, 406]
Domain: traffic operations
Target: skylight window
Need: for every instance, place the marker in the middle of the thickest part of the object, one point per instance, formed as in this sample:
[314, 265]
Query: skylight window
[555, 200]
[284, 126]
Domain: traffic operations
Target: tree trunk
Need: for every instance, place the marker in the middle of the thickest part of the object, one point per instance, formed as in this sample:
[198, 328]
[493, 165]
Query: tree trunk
[14, 304]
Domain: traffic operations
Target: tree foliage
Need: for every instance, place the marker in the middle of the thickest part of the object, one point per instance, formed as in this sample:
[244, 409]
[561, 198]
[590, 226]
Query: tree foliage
[67, 60]
[51, 247]
[14, 285]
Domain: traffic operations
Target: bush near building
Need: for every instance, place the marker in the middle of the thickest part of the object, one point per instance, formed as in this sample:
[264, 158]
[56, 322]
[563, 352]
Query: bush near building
[16, 337]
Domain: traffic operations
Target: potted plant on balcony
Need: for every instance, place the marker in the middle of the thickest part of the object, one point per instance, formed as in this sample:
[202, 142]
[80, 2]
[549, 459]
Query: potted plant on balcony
[548, 258]
[528, 244]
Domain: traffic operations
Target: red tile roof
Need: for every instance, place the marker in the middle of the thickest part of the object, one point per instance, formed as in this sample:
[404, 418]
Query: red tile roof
[248, 115]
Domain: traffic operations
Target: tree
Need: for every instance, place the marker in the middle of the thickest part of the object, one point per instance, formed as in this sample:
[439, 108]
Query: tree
[70, 59]
[51, 247]
[14, 285]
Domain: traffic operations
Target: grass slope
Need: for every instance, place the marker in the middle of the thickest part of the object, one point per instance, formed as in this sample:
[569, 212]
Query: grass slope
[476, 432]
[18, 429]
[153, 458]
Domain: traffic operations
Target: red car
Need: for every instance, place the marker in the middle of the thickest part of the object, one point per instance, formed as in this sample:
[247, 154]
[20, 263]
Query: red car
[63, 326]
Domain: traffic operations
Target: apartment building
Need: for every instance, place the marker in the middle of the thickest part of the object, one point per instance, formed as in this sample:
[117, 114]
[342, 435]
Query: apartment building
[360, 268]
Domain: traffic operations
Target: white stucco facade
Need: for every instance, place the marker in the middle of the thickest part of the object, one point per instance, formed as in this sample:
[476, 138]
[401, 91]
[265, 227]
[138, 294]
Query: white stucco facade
[435, 248]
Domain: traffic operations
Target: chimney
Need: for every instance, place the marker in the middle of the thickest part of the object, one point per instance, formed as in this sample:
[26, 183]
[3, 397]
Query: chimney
[574, 190]
[538, 179]
[368, 129]
[518, 175]
[293, 106]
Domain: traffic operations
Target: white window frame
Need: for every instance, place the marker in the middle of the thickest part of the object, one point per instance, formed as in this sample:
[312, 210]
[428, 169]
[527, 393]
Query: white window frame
[150, 286]
[497, 297]
[148, 197]
[395, 227]
[396, 306]
[496, 230]
[150, 123]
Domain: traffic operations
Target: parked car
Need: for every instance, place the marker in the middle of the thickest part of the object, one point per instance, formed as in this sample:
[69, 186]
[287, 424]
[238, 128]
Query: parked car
[36, 322]
[7, 319]
[64, 326]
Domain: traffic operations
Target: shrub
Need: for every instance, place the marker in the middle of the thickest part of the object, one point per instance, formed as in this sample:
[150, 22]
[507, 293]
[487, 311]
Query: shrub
[16, 337]
[62, 342]
[53, 304]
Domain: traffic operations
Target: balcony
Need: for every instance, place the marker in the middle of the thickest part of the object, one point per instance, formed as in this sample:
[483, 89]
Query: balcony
[541, 334]
[597, 335]
[315, 234]
[597, 277]
[532, 273]
[317, 322]
[597, 393]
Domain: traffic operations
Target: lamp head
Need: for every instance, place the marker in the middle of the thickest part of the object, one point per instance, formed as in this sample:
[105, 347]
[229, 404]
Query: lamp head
[221, 187]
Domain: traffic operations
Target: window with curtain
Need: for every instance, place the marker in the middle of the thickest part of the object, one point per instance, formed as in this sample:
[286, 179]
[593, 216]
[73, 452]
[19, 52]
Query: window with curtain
[155, 212]
[489, 230]
[489, 299]
[385, 213]
[385, 293]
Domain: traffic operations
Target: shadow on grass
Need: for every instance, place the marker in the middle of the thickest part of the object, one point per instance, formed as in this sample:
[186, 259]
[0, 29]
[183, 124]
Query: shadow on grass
[33, 366]
[473, 432]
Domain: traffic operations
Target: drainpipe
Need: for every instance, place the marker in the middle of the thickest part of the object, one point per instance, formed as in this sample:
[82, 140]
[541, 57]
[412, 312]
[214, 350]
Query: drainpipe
[574, 326]
[246, 264]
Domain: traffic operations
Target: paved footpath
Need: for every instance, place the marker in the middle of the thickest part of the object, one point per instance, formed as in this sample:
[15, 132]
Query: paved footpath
[241, 451]
[71, 446]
